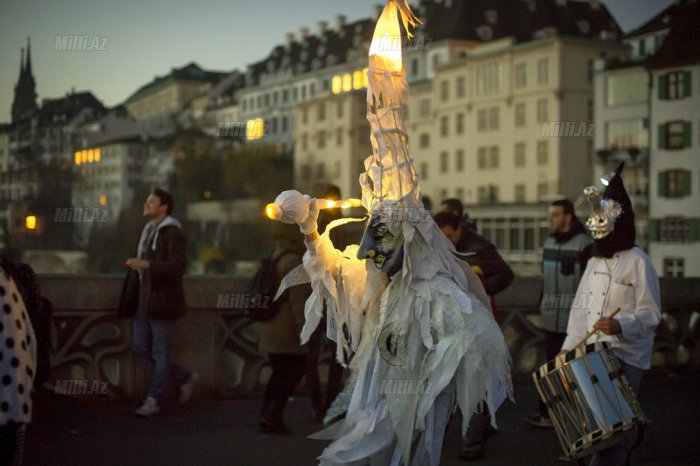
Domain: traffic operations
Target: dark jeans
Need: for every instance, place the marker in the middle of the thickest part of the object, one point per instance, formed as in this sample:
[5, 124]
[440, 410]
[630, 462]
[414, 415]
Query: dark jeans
[335, 373]
[287, 371]
[553, 342]
[153, 341]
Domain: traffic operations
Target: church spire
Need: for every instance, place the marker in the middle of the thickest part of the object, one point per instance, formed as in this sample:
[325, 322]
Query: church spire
[24, 103]
[21, 67]
[28, 66]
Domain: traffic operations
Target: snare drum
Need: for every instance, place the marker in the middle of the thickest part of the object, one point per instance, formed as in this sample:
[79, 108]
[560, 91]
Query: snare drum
[588, 399]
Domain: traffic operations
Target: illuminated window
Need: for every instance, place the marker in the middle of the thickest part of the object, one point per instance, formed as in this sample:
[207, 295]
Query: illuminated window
[336, 84]
[90, 156]
[365, 79]
[347, 82]
[30, 222]
[77, 158]
[103, 199]
[97, 155]
[254, 129]
[357, 80]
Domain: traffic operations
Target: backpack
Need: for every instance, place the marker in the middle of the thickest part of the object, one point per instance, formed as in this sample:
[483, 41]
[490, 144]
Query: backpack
[40, 312]
[258, 303]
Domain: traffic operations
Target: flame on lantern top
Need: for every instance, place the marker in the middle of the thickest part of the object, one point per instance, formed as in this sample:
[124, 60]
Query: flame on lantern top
[386, 41]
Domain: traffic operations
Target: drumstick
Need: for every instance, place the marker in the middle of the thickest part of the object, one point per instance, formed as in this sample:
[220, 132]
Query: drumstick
[595, 330]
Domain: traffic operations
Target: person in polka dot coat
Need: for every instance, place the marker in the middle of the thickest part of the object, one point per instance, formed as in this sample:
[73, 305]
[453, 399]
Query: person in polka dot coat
[17, 368]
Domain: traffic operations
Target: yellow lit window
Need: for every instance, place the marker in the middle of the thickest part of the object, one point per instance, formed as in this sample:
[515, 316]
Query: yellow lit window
[336, 84]
[97, 155]
[357, 80]
[365, 79]
[254, 129]
[103, 199]
[77, 158]
[83, 156]
[347, 82]
[30, 222]
[91, 155]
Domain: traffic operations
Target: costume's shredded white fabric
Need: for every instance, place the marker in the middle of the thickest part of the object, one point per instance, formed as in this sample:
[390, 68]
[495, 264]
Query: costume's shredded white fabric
[421, 333]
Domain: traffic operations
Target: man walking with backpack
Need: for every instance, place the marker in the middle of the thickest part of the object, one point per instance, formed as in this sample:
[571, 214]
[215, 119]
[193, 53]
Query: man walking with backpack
[279, 336]
[161, 263]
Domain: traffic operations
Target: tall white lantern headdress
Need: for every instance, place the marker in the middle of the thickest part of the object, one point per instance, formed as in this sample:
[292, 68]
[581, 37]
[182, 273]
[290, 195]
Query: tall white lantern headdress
[389, 174]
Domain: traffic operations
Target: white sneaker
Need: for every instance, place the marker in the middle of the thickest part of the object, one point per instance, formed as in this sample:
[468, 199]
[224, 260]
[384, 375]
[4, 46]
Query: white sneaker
[149, 408]
[187, 388]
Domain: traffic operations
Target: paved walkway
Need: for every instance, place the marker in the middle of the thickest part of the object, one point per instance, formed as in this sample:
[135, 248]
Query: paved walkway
[223, 432]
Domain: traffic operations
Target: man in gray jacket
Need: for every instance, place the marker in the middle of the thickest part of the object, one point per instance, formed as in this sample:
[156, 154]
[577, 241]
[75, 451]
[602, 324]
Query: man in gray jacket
[565, 254]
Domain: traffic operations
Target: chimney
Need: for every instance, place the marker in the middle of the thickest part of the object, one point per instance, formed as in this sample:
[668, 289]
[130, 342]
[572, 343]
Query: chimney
[595, 4]
[378, 11]
[322, 27]
[339, 22]
[303, 33]
[290, 38]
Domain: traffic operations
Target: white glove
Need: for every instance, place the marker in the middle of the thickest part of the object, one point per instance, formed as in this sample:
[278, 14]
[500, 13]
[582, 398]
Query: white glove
[309, 225]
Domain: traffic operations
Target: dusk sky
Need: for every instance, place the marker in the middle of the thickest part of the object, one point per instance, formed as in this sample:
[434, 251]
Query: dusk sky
[146, 38]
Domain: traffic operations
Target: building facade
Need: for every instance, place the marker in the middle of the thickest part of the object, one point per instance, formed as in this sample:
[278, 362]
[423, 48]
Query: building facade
[674, 228]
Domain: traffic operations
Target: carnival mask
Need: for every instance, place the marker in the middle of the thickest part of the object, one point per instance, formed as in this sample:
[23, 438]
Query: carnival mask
[604, 213]
[381, 246]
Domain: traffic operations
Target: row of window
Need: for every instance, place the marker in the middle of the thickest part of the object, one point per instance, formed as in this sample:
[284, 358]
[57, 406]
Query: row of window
[350, 81]
[7, 194]
[320, 139]
[488, 157]
[92, 184]
[630, 87]
[22, 175]
[490, 194]
[487, 119]
[514, 234]
[489, 77]
[318, 172]
[272, 98]
[674, 229]
[322, 111]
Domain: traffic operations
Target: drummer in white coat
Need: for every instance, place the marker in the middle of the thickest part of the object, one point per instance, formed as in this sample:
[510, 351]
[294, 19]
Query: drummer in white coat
[618, 275]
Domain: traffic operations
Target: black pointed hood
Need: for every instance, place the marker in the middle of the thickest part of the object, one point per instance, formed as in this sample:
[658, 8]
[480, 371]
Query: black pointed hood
[624, 233]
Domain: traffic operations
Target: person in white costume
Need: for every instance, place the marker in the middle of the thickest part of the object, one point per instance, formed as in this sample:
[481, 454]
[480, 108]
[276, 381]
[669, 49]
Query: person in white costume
[416, 331]
[619, 275]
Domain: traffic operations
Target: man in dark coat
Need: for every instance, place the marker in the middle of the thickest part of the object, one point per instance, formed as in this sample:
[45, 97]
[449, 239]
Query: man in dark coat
[161, 263]
[477, 251]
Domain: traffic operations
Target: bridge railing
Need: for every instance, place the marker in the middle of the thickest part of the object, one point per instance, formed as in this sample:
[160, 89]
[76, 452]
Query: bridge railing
[93, 346]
